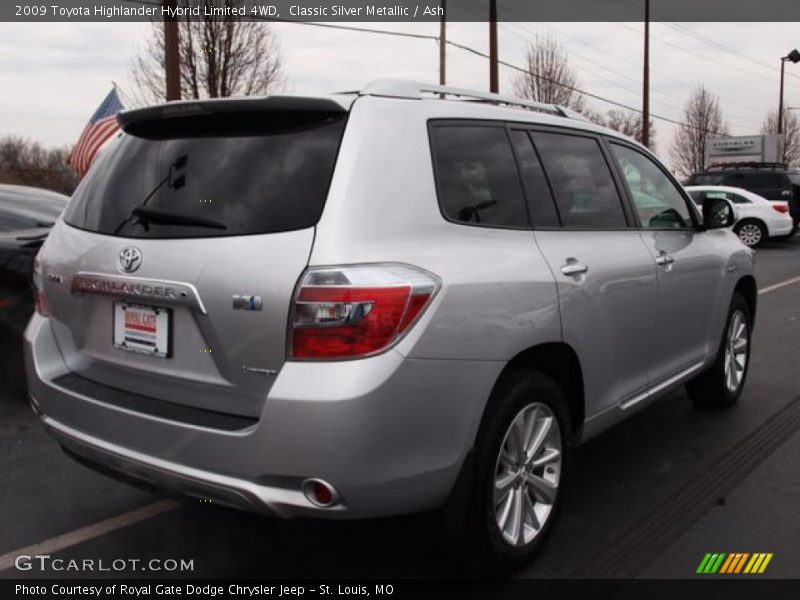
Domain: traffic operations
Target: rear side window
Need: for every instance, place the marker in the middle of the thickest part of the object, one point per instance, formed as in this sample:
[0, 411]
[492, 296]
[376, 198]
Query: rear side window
[540, 200]
[233, 178]
[705, 180]
[584, 188]
[756, 181]
[476, 176]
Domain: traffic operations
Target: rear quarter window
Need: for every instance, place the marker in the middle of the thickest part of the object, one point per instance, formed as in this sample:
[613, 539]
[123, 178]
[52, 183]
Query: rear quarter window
[476, 176]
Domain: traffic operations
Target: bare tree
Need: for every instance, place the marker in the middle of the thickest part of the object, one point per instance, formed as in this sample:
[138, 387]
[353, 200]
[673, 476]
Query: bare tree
[220, 56]
[25, 162]
[791, 135]
[629, 123]
[549, 77]
[702, 120]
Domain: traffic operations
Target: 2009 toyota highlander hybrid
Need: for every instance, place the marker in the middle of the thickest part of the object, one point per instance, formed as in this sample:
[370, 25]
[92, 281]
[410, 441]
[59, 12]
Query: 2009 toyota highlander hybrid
[378, 302]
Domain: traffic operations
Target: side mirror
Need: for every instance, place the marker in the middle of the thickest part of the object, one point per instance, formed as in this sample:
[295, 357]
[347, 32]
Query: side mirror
[718, 213]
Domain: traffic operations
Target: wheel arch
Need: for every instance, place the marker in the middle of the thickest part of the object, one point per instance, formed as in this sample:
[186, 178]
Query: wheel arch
[746, 286]
[558, 361]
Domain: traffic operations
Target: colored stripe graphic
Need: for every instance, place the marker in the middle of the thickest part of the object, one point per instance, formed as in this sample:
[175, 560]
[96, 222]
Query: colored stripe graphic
[765, 563]
[716, 565]
[732, 559]
[726, 565]
[703, 563]
[741, 562]
[758, 563]
[733, 563]
[711, 562]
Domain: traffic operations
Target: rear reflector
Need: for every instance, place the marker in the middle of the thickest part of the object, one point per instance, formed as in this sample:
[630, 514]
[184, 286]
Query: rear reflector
[356, 311]
[40, 300]
[320, 492]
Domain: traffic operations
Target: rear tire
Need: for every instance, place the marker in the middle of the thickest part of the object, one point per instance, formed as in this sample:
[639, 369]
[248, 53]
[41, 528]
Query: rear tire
[509, 498]
[751, 232]
[722, 384]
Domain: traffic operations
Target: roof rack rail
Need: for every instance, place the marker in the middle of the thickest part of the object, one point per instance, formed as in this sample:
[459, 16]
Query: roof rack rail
[721, 166]
[401, 88]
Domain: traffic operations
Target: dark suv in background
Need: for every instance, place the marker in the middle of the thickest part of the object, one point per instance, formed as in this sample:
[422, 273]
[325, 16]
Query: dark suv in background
[773, 181]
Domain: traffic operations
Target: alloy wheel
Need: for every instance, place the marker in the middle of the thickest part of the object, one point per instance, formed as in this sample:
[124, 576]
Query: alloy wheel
[750, 234]
[527, 474]
[736, 351]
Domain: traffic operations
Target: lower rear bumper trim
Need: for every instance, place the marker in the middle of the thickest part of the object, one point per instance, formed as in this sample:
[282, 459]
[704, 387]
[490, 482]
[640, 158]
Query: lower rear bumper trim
[223, 489]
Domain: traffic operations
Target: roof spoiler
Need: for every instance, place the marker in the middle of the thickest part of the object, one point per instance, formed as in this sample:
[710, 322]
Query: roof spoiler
[148, 121]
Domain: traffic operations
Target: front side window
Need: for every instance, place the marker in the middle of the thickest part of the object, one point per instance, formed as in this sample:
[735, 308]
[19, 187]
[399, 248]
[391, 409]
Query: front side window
[476, 176]
[582, 183]
[658, 202]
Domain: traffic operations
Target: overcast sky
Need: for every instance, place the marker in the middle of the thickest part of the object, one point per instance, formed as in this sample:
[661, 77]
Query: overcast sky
[54, 75]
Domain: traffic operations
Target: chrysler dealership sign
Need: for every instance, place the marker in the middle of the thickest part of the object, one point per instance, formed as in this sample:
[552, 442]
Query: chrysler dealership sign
[747, 148]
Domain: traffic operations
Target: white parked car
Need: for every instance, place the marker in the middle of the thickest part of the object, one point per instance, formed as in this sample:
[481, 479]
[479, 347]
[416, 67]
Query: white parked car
[758, 218]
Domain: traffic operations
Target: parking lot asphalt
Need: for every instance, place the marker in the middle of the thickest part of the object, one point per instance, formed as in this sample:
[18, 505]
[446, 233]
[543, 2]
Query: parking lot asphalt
[647, 498]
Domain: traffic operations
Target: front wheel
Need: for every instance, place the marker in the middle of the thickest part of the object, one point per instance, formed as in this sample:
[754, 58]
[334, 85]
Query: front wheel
[519, 465]
[722, 384]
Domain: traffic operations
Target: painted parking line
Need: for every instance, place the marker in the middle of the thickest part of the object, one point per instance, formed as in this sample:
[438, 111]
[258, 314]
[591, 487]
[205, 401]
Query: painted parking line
[777, 286]
[89, 532]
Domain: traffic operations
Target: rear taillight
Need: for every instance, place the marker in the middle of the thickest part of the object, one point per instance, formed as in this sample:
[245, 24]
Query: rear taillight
[40, 300]
[781, 207]
[356, 311]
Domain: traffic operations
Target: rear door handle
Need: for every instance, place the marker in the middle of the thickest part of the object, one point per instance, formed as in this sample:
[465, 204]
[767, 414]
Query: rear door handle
[573, 268]
[664, 259]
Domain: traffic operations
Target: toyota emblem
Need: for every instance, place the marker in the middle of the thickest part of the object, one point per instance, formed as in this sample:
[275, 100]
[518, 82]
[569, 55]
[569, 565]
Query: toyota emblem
[130, 259]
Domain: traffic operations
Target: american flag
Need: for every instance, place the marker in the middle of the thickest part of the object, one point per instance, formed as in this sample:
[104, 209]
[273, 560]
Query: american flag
[98, 130]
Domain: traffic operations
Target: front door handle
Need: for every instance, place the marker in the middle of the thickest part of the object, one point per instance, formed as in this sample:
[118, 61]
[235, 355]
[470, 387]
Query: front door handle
[573, 268]
[664, 259]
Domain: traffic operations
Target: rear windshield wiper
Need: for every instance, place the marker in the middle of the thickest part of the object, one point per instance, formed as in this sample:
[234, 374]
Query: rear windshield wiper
[163, 217]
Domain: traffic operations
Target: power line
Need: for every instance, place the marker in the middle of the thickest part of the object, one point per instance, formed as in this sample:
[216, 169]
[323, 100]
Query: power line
[463, 47]
[622, 76]
[474, 10]
[677, 47]
[687, 31]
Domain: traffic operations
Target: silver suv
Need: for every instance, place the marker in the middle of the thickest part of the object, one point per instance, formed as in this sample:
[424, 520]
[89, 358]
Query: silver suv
[371, 303]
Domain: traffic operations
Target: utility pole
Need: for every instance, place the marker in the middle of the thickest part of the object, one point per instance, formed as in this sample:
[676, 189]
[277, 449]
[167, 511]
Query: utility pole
[793, 56]
[172, 60]
[646, 78]
[494, 85]
[443, 44]
[780, 102]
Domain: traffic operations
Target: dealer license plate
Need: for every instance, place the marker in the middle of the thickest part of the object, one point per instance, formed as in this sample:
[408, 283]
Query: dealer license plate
[143, 329]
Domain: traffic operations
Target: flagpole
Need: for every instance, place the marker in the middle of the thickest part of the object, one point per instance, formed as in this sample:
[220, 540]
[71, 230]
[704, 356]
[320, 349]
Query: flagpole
[172, 61]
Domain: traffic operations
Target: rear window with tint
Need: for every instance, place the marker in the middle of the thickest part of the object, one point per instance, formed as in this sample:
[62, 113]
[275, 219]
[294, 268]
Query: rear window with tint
[705, 180]
[228, 180]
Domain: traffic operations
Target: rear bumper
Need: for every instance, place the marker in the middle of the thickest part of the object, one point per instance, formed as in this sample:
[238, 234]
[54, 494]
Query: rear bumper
[388, 432]
[167, 475]
[782, 227]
